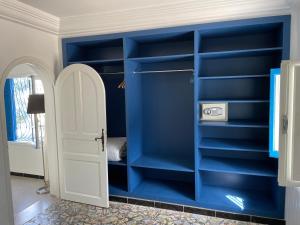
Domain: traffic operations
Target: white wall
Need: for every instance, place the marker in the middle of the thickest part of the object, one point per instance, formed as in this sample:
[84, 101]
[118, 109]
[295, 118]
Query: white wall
[17, 41]
[292, 206]
[25, 158]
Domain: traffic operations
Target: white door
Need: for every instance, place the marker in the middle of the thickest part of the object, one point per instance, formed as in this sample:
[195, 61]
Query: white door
[289, 134]
[81, 133]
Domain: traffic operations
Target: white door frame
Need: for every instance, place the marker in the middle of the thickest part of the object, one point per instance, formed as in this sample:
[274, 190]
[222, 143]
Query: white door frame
[48, 79]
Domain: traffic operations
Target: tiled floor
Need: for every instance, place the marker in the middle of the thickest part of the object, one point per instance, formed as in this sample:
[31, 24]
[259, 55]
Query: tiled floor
[27, 204]
[70, 213]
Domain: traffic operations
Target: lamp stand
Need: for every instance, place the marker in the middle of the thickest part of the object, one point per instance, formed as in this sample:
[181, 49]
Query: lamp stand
[45, 188]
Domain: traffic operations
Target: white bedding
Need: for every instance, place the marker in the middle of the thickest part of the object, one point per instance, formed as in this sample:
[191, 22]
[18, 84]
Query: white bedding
[116, 148]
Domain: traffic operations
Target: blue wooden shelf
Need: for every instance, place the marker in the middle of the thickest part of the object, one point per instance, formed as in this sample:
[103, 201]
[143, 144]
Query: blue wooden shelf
[165, 58]
[232, 145]
[233, 77]
[245, 52]
[181, 68]
[165, 163]
[251, 202]
[117, 189]
[235, 123]
[123, 162]
[235, 101]
[163, 190]
[238, 166]
[100, 61]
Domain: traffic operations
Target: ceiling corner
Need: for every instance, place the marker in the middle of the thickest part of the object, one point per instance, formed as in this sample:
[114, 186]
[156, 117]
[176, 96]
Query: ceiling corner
[27, 15]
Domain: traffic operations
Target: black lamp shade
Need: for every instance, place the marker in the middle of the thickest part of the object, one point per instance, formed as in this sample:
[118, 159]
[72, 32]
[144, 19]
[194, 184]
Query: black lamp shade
[36, 104]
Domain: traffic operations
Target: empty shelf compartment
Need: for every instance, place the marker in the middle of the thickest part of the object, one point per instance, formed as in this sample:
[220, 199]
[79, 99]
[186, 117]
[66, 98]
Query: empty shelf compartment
[235, 65]
[239, 166]
[167, 162]
[245, 194]
[241, 38]
[233, 144]
[117, 179]
[235, 123]
[105, 50]
[162, 185]
[160, 45]
[234, 89]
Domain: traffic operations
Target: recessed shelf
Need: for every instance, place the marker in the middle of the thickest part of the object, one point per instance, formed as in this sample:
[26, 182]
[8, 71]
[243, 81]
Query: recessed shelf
[245, 52]
[104, 61]
[232, 144]
[165, 58]
[233, 77]
[234, 123]
[117, 186]
[253, 202]
[117, 189]
[163, 71]
[165, 162]
[239, 166]
[118, 163]
[235, 101]
[167, 190]
[160, 44]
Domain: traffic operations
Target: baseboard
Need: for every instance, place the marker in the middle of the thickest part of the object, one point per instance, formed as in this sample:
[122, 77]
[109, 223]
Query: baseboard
[27, 175]
[201, 211]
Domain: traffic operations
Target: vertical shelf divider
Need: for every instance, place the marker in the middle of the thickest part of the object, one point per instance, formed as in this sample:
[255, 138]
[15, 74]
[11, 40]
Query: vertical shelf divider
[196, 113]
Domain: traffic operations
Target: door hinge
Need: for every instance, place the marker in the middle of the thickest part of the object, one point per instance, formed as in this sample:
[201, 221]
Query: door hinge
[285, 124]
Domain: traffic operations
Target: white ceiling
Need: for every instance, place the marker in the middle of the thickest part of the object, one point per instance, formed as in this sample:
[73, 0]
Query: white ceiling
[66, 8]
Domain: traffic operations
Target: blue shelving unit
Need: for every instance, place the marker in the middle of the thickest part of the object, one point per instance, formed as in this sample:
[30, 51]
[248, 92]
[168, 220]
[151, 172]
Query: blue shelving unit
[174, 156]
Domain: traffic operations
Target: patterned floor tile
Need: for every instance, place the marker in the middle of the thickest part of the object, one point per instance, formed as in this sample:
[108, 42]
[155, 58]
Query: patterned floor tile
[71, 213]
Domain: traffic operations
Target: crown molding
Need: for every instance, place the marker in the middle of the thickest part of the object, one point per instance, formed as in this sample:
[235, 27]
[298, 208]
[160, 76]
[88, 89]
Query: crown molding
[168, 15]
[26, 15]
[176, 13]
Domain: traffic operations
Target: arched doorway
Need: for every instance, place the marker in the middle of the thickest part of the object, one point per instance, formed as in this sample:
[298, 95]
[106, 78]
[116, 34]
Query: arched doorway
[48, 79]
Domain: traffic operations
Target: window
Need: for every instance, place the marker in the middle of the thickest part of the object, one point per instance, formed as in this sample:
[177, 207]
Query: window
[22, 127]
[24, 121]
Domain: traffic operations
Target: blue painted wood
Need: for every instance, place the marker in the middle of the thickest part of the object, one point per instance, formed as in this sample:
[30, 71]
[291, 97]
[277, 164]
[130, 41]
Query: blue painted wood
[250, 202]
[104, 61]
[235, 123]
[227, 153]
[245, 52]
[232, 144]
[197, 155]
[166, 145]
[164, 185]
[162, 45]
[233, 77]
[239, 89]
[273, 150]
[115, 172]
[242, 101]
[165, 163]
[162, 58]
[123, 162]
[239, 166]
[241, 38]
[236, 65]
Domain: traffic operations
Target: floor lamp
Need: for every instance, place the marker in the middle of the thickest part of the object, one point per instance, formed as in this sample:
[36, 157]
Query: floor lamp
[36, 105]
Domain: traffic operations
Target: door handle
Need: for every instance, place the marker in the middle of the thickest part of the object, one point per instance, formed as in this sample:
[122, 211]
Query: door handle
[102, 139]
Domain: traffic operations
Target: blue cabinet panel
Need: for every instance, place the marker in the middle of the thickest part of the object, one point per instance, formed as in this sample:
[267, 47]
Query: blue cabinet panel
[173, 155]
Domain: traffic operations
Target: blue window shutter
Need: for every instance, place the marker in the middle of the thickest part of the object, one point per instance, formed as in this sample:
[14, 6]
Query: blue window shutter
[274, 114]
[10, 110]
